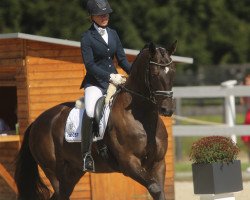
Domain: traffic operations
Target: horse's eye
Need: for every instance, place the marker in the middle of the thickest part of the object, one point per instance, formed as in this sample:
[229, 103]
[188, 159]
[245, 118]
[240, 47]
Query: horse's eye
[155, 72]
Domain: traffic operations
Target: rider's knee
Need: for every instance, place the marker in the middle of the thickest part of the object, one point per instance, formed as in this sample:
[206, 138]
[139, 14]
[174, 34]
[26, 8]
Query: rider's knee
[90, 112]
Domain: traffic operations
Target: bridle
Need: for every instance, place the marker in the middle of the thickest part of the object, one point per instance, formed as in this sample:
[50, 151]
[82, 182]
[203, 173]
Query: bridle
[152, 94]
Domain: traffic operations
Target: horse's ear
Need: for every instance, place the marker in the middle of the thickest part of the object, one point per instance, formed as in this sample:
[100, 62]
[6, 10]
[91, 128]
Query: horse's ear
[152, 48]
[172, 49]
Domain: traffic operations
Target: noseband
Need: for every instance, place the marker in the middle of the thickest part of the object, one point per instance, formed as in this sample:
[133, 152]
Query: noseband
[153, 94]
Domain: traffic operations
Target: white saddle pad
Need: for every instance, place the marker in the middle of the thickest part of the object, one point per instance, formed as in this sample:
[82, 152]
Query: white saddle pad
[74, 125]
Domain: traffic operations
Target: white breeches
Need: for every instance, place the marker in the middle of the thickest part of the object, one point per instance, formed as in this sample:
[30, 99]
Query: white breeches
[92, 94]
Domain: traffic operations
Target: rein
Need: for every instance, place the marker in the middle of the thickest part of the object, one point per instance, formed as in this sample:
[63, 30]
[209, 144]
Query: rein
[152, 94]
[136, 93]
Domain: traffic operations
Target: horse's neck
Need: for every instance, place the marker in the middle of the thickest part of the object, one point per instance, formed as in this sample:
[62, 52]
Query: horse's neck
[138, 96]
[137, 85]
[143, 110]
[139, 89]
[147, 114]
[137, 78]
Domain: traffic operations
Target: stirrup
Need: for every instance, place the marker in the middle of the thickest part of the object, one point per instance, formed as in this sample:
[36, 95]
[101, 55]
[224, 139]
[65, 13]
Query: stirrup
[88, 163]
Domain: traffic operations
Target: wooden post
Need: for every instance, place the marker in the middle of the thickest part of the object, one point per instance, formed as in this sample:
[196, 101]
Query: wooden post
[8, 178]
[230, 107]
[3, 172]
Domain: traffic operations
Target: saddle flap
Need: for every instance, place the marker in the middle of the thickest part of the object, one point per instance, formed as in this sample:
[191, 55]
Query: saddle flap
[99, 109]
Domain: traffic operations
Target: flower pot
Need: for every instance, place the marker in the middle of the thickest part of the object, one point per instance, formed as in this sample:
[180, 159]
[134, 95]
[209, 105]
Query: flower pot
[217, 178]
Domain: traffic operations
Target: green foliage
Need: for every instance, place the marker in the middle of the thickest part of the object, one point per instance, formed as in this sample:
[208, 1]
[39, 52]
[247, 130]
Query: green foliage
[214, 149]
[10, 14]
[180, 167]
[212, 32]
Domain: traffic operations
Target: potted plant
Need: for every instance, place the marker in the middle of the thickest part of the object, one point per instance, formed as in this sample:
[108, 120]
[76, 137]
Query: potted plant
[215, 167]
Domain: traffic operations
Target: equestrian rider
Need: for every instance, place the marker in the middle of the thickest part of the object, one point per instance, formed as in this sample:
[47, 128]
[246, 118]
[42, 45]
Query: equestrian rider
[99, 45]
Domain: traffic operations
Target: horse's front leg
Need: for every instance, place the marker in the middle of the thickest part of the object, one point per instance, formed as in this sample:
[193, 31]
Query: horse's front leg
[132, 167]
[158, 172]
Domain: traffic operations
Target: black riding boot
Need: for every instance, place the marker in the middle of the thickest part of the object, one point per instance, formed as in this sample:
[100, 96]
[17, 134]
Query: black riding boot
[87, 138]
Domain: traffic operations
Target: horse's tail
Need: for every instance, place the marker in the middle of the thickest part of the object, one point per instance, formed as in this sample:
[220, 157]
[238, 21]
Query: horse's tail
[27, 178]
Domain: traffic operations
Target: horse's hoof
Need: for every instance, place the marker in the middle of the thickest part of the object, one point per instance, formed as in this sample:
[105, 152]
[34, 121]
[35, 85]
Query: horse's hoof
[154, 188]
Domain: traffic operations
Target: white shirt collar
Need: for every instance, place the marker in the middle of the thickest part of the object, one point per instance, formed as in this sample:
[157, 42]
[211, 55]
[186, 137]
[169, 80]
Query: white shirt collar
[103, 32]
[100, 30]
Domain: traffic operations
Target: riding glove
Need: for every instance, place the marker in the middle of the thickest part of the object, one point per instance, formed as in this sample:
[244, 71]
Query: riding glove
[117, 79]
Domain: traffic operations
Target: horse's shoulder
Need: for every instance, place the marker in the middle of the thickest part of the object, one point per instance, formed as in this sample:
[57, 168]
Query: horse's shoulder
[121, 101]
[161, 128]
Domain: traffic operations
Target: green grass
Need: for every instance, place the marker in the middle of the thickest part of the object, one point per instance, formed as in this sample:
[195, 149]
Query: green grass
[188, 141]
[216, 118]
[183, 167]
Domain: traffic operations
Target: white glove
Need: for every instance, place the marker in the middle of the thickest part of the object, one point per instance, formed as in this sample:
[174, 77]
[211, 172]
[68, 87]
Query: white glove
[117, 79]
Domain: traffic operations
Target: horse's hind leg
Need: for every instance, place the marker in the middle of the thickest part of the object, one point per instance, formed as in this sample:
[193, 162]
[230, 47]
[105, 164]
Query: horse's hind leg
[68, 178]
[54, 182]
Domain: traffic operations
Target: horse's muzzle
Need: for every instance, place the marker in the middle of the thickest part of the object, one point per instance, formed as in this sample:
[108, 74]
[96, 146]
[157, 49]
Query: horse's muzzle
[167, 107]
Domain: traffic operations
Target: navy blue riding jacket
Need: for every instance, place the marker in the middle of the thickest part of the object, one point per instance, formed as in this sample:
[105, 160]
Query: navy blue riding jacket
[98, 57]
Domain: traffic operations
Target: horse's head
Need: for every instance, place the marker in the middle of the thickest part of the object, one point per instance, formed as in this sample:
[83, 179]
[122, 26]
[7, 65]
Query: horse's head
[160, 76]
[152, 76]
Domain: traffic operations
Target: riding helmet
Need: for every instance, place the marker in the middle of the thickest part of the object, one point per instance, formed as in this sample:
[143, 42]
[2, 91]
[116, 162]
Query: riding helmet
[98, 7]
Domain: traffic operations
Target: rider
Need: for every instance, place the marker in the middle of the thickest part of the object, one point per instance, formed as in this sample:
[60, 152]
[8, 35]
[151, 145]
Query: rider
[99, 45]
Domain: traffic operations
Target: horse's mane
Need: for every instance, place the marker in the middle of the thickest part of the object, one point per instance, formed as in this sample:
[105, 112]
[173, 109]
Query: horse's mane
[146, 46]
[138, 57]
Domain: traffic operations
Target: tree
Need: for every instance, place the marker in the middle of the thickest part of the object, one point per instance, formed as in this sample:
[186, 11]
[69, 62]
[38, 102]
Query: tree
[10, 14]
[212, 32]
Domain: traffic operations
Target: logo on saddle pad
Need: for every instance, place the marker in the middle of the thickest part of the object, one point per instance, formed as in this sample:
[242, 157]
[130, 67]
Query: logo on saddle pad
[74, 122]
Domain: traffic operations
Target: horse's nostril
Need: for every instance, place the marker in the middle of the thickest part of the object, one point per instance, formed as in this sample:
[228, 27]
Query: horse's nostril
[166, 112]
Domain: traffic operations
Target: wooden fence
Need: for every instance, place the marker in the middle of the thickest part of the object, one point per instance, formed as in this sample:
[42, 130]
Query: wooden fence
[228, 92]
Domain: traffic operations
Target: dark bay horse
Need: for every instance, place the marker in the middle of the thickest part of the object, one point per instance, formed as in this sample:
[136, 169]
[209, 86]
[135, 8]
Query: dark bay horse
[135, 136]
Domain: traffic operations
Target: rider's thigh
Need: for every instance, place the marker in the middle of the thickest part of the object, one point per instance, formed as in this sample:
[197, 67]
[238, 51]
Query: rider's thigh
[92, 94]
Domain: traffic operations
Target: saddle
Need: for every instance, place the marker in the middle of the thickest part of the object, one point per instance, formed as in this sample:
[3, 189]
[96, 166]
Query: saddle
[99, 107]
[98, 112]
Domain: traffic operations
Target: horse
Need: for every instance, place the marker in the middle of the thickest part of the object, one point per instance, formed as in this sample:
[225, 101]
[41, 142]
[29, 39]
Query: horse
[135, 136]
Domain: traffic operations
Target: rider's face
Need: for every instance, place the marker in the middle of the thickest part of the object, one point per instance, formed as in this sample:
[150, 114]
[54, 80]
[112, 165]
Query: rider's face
[101, 20]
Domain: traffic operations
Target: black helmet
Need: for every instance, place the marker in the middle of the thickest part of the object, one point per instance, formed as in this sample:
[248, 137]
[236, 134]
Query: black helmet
[98, 7]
